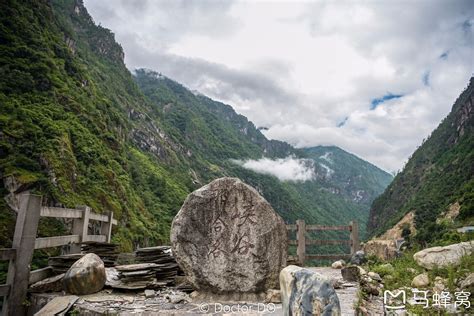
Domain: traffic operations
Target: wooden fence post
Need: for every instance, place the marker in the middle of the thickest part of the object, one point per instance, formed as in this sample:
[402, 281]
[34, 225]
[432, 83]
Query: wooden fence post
[106, 227]
[80, 227]
[301, 238]
[354, 237]
[24, 243]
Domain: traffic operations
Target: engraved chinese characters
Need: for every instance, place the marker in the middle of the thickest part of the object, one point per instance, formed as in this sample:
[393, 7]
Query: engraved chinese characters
[228, 239]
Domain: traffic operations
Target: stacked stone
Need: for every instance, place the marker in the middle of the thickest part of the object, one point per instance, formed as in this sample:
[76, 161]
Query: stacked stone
[106, 251]
[60, 264]
[167, 269]
[138, 276]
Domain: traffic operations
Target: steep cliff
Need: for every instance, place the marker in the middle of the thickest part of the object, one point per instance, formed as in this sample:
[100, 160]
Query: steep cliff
[438, 174]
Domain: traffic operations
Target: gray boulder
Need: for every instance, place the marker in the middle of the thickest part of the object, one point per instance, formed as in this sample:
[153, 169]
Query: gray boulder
[229, 241]
[86, 276]
[351, 273]
[339, 264]
[305, 292]
[468, 282]
[442, 257]
[358, 258]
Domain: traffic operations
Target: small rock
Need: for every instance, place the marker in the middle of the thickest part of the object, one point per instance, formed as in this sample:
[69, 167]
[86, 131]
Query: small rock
[273, 296]
[351, 273]
[305, 292]
[149, 293]
[371, 289]
[362, 271]
[375, 276]
[362, 311]
[468, 282]
[439, 284]
[420, 281]
[177, 298]
[86, 276]
[411, 270]
[358, 258]
[339, 264]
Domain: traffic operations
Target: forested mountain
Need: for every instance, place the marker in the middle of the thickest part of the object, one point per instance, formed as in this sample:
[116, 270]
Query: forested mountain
[79, 129]
[439, 174]
[343, 186]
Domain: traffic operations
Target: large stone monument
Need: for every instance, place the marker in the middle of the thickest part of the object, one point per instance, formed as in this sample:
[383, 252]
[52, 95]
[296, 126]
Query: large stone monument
[229, 241]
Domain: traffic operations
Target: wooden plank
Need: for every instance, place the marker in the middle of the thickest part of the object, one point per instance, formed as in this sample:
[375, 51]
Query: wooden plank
[291, 227]
[114, 222]
[4, 289]
[324, 227]
[328, 242]
[96, 238]
[80, 227]
[48, 242]
[40, 274]
[301, 237]
[7, 253]
[332, 257]
[60, 212]
[98, 217]
[24, 237]
[292, 242]
[355, 246]
[106, 228]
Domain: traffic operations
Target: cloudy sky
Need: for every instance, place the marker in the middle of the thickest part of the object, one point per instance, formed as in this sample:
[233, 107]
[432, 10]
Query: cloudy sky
[373, 77]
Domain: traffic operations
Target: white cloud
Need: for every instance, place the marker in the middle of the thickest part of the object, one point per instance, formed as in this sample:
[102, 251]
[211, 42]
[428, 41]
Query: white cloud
[285, 169]
[301, 68]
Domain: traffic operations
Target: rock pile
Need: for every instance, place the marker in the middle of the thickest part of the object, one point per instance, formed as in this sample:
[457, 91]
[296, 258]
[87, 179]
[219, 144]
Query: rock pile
[61, 264]
[106, 251]
[136, 277]
[167, 269]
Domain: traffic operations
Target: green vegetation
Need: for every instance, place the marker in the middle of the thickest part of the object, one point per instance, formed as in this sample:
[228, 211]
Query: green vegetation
[214, 133]
[399, 273]
[79, 129]
[439, 173]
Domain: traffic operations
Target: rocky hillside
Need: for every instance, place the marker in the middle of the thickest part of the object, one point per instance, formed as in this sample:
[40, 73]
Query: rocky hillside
[79, 129]
[438, 178]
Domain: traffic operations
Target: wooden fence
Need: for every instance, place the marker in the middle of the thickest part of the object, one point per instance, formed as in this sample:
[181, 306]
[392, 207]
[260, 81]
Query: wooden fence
[302, 241]
[25, 242]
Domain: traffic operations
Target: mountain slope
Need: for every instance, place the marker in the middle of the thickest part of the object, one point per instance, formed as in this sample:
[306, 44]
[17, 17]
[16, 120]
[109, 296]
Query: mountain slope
[203, 125]
[344, 183]
[79, 129]
[440, 172]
